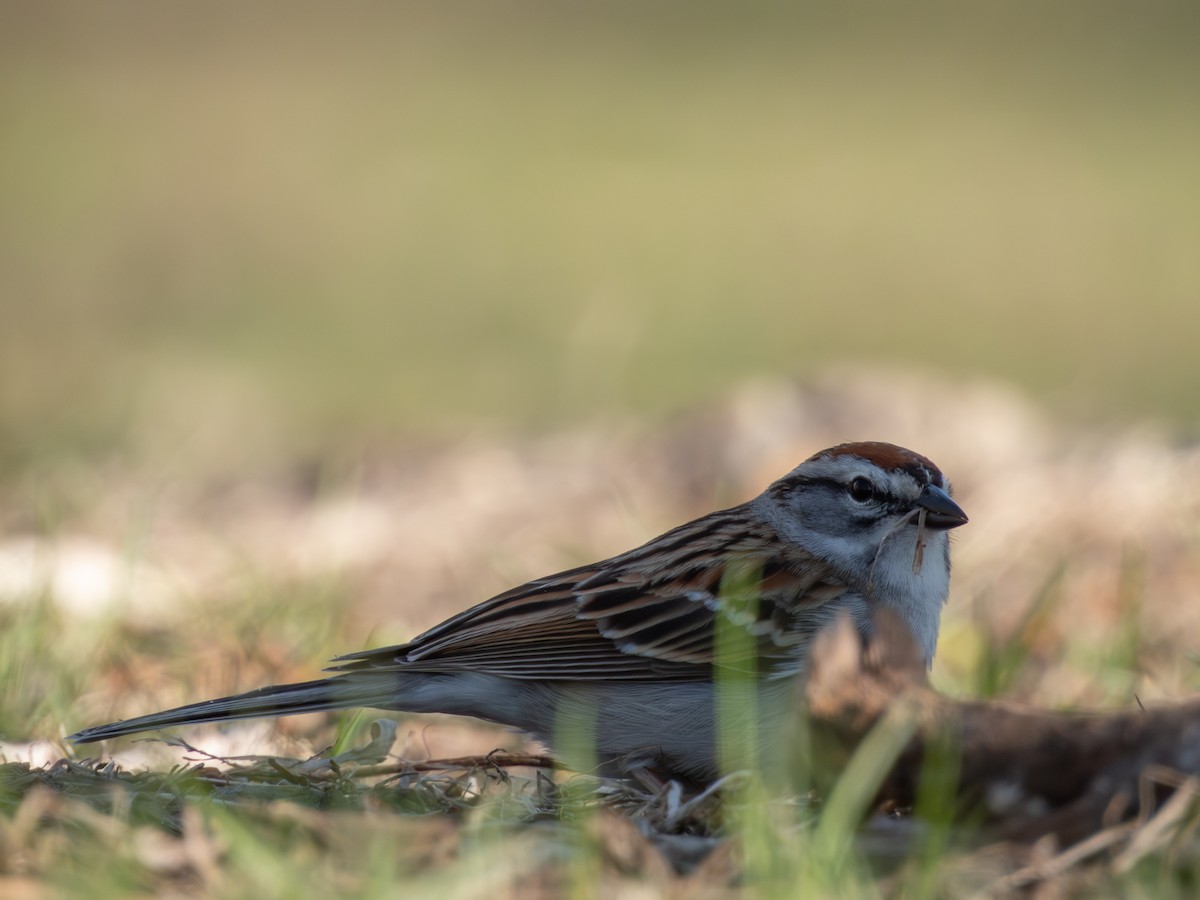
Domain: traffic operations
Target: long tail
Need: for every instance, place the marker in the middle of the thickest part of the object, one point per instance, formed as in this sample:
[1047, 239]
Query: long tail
[280, 700]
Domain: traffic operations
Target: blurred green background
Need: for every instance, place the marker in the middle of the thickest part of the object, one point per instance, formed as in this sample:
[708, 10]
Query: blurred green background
[305, 226]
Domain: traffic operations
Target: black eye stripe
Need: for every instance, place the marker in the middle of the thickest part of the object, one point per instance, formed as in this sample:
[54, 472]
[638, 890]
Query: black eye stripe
[835, 484]
[865, 513]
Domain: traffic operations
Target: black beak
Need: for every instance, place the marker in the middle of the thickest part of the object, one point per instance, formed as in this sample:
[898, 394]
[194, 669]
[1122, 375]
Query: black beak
[942, 512]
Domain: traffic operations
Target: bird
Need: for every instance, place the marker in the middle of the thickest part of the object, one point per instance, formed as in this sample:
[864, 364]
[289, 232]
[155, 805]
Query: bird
[619, 665]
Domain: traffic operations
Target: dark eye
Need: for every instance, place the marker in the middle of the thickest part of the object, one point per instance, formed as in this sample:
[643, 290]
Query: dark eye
[861, 490]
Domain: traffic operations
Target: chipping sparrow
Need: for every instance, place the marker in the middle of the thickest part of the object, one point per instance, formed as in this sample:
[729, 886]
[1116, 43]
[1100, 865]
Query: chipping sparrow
[625, 651]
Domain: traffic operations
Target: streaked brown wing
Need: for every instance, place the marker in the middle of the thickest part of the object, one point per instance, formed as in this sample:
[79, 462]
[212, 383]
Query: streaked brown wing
[650, 613]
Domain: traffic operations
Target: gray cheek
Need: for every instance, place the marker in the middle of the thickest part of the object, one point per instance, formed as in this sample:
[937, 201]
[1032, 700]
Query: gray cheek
[822, 514]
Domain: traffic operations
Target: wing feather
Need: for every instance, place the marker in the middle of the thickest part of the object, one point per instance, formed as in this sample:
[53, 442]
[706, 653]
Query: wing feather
[650, 613]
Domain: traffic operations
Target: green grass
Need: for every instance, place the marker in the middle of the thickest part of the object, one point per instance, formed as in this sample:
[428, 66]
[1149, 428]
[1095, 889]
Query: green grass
[43, 664]
[280, 827]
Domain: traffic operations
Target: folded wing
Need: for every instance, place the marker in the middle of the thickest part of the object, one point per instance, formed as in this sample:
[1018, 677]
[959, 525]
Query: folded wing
[656, 612]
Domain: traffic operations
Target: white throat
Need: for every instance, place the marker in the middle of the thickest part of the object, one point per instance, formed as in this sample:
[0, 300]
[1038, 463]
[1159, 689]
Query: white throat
[917, 592]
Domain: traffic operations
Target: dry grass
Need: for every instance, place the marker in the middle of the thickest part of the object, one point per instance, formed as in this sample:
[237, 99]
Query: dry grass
[1075, 585]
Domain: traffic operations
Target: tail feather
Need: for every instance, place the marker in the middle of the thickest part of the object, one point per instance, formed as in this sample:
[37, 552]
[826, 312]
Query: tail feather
[279, 700]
